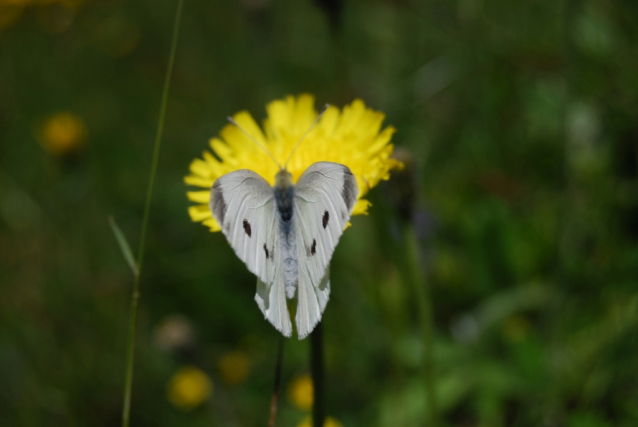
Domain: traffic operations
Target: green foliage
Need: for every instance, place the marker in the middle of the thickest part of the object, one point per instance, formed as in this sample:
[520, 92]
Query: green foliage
[518, 121]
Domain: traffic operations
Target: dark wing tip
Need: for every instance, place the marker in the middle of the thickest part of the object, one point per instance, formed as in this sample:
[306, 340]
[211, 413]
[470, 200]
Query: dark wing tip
[350, 191]
[217, 203]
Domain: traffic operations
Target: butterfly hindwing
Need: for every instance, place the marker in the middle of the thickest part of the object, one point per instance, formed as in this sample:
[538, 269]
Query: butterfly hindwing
[271, 300]
[243, 204]
[325, 195]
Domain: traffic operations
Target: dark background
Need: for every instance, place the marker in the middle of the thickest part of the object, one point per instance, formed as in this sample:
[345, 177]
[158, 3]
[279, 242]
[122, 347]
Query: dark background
[519, 124]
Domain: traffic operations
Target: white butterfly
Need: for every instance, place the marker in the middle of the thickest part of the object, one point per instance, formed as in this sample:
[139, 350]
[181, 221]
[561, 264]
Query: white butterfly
[286, 235]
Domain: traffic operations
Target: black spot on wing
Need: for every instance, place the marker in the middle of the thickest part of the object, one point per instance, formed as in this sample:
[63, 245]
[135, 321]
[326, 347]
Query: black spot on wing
[310, 251]
[324, 220]
[217, 202]
[266, 250]
[247, 228]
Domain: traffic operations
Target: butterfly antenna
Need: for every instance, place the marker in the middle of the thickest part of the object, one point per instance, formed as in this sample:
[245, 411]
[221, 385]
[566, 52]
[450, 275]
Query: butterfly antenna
[305, 134]
[231, 120]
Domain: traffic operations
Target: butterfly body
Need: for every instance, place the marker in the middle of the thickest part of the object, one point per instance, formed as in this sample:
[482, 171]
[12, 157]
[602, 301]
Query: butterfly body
[286, 235]
[284, 192]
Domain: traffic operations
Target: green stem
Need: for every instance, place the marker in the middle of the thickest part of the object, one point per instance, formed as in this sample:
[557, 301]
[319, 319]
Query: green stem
[424, 302]
[316, 366]
[275, 393]
[130, 359]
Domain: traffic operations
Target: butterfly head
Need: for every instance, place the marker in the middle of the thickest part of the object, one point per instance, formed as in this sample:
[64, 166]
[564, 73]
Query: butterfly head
[283, 179]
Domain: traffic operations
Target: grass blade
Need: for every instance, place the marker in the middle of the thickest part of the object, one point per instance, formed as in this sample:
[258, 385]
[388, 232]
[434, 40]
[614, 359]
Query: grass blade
[124, 246]
[135, 298]
[424, 305]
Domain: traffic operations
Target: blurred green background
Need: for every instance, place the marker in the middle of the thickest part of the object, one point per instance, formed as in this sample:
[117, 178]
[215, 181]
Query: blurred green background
[518, 122]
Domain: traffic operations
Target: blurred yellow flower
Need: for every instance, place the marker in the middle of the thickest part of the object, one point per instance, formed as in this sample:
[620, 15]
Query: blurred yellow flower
[301, 392]
[70, 3]
[12, 10]
[189, 388]
[62, 133]
[15, 2]
[234, 367]
[328, 422]
[352, 137]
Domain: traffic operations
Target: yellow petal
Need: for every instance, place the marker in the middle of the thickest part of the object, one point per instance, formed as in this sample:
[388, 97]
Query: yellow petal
[200, 168]
[212, 224]
[199, 196]
[198, 181]
[222, 149]
[199, 212]
[361, 207]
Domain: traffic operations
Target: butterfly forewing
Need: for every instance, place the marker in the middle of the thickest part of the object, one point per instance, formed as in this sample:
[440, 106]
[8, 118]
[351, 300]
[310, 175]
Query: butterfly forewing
[324, 198]
[243, 204]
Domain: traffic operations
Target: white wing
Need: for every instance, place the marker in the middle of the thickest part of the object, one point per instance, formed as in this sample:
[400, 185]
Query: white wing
[324, 197]
[243, 204]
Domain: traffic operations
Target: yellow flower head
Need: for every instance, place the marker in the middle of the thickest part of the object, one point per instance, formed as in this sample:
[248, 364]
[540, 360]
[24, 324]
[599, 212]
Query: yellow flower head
[62, 133]
[234, 367]
[328, 422]
[302, 392]
[352, 137]
[189, 388]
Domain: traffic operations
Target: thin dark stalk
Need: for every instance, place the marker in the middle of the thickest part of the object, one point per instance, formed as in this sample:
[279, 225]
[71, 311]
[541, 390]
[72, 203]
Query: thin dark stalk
[316, 366]
[424, 303]
[130, 359]
[275, 393]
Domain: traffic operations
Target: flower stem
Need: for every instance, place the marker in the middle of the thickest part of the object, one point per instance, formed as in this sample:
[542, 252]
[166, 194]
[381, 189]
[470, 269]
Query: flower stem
[424, 302]
[316, 366]
[130, 359]
[275, 393]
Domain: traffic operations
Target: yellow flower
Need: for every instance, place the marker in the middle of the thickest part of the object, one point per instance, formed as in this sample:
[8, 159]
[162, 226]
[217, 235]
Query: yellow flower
[328, 422]
[302, 393]
[189, 388]
[62, 133]
[352, 137]
[234, 367]
[10, 12]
